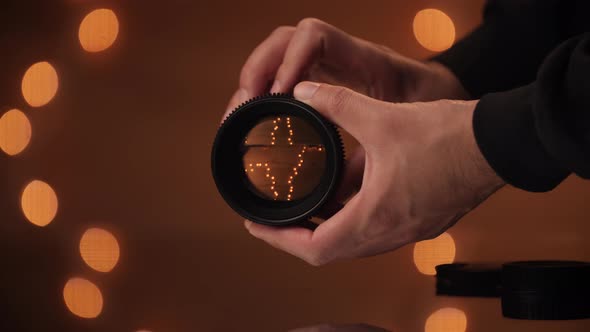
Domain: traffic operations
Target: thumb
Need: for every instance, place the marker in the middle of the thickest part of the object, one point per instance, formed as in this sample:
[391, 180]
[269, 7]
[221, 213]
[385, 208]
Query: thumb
[349, 110]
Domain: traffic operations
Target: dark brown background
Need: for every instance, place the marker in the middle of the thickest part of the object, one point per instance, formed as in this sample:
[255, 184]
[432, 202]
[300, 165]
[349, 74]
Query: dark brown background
[126, 143]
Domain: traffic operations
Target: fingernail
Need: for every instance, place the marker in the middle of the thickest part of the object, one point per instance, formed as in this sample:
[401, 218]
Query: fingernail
[276, 87]
[305, 90]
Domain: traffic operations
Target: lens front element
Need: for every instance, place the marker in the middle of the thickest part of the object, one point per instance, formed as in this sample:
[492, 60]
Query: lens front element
[284, 158]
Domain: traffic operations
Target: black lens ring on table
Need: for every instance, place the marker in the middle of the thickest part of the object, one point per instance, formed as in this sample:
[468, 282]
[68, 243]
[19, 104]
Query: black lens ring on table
[469, 280]
[546, 290]
[531, 290]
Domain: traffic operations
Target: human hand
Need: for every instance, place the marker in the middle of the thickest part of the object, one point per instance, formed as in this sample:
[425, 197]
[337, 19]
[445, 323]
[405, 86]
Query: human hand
[317, 51]
[422, 172]
[340, 328]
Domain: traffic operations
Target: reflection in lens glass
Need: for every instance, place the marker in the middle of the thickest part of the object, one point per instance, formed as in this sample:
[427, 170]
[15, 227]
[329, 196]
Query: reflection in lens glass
[284, 158]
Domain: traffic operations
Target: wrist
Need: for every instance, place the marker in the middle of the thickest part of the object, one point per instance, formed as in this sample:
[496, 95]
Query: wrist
[434, 81]
[484, 179]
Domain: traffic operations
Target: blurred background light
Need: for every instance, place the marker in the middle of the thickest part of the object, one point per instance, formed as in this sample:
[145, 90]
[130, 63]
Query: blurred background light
[39, 203]
[430, 253]
[98, 30]
[446, 320]
[39, 84]
[15, 132]
[434, 29]
[99, 249]
[83, 298]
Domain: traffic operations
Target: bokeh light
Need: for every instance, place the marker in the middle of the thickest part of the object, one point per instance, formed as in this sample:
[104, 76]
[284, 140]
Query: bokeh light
[15, 132]
[39, 203]
[98, 30]
[83, 298]
[434, 29]
[430, 253]
[446, 320]
[39, 84]
[99, 249]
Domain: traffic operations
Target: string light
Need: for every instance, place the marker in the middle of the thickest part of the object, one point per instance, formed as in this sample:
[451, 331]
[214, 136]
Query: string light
[98, 30]
[430, 253]
[99, 249]
[83, 298]
[446, 320]
[15, 132]
[434, 29]
[276, 192]
[39, 84]
[39, 203]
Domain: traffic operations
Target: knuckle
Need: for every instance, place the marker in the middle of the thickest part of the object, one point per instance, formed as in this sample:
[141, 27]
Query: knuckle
[282, 30]
[339, 100]
[246, 75]
[314, 262]
[283, 69]
[317, 259]
[311, 24]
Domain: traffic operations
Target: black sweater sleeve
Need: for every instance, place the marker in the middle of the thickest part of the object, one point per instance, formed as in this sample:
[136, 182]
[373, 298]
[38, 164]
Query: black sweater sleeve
[536, 135]
[505, 52]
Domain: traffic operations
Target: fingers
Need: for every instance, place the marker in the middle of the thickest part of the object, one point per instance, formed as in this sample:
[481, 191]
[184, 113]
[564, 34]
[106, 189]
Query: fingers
[262, 65]
[352, 178]
[238, 97]
[289, 53]
[293, 240]
[351, 111]
[305, 46]
[332, 240]
[312, 42]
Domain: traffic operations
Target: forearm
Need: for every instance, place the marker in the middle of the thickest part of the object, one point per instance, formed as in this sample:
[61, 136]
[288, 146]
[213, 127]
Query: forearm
[535, 136]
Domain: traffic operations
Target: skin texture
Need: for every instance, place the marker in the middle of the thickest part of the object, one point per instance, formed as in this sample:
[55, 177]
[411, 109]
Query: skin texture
[418, 169]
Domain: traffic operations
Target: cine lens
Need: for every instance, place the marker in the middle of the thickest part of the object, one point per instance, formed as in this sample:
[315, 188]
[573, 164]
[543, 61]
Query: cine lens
[277, 161]
[283, 158]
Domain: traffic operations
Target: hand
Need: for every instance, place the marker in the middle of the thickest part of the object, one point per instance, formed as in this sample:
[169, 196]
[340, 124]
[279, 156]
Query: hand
[340, 328]
[314, 50]
[422, 172]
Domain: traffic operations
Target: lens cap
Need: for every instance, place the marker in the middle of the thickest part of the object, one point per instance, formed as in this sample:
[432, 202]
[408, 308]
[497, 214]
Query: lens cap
[470, 280]
[546, 290]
